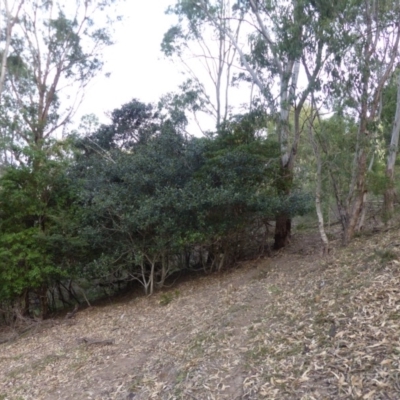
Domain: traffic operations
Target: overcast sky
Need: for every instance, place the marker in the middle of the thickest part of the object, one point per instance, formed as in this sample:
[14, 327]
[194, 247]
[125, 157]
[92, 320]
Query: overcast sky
[137, 66]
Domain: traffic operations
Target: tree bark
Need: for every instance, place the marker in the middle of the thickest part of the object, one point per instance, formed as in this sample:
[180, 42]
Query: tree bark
[369, 111]
[360, 224]
[286, 67]
[318, 188]
[283, 221]
[390, 192]
[283, 226]
[10, 22]
[44, 301]
[357, 196]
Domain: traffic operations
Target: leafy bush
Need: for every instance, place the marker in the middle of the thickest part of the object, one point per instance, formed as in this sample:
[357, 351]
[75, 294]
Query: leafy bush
[138, 202]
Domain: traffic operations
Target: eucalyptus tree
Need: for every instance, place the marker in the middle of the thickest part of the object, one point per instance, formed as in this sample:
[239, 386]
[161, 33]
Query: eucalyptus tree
[9, 15]
[281, 36]
[359, 77]
[205, 52]
[394, 124]
[55, 51]
[319, 178]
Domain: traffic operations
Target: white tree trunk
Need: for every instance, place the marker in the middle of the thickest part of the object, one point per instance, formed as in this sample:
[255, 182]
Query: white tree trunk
[9, 22]
[390, 194]
[394, 141]
[318, 190]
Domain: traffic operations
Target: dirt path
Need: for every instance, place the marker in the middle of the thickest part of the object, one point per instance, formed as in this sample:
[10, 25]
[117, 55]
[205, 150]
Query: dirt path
[291, 327]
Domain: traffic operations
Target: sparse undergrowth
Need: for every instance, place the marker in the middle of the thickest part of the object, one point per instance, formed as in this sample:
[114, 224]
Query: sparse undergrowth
[296, 326]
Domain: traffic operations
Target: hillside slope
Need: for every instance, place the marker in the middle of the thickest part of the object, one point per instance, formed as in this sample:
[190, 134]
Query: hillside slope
[294, 326]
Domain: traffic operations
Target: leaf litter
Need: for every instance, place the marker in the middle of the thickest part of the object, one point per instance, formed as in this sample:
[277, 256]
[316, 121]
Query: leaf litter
[294, 326]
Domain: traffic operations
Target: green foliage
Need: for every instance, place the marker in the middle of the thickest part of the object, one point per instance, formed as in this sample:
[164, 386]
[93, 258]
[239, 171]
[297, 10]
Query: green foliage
[53, 49]
[167, 298]
[147, 203]
[386, 255]
[337, 140]
[25, 200]
[24, 263]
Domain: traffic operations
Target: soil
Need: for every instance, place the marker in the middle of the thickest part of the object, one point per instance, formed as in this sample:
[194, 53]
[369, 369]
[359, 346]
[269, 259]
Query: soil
[292, 326]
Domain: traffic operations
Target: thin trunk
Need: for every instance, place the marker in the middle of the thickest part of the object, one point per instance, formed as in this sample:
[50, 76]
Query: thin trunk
[357, 189]
[355, 207]
[220, 70]
[318, 208]
[152, 278]
[369, 112]
[9, 25]
[44, 301]
[283, 221]
[363, 214]
[318, 189]
[287, 68]
[10, 22]
[148, 283]
[390, 192]
[361, 221]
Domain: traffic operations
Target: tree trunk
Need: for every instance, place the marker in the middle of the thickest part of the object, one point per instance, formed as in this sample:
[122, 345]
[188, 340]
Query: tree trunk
[360, 224]
[388, 201]
[353, 216]
[318, 188]
[20, 308]
[283, 222]
[283, 225]
[321, 227]
[44, 302]
[390, 192]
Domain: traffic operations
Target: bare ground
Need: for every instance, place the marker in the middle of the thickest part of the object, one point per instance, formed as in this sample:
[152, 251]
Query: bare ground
[294, 326]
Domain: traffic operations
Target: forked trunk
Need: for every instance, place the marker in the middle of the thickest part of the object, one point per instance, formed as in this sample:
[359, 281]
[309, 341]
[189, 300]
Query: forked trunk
[353, 218]
[358, 184]
[357, 196]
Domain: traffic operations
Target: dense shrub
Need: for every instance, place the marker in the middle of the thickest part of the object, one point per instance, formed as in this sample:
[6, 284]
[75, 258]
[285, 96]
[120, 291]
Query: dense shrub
[139, 201]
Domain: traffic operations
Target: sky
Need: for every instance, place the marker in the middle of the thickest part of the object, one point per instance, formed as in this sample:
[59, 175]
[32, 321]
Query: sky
[137, 66]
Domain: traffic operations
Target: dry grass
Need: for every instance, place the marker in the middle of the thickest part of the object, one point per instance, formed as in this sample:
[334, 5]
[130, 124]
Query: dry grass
[292, 327]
